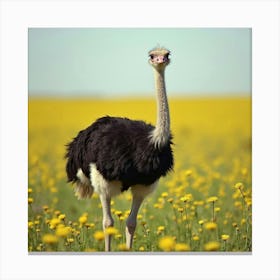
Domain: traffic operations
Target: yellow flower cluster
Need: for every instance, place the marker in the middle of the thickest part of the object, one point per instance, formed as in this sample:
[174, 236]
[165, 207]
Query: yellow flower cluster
[205, 204]
[169, 244]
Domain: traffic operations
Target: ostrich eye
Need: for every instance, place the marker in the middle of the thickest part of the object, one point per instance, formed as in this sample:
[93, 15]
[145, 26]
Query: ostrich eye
[151, 56]
[167, 56]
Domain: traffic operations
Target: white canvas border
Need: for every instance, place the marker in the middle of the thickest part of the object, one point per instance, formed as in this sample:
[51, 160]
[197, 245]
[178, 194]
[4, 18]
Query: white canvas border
[261, 16]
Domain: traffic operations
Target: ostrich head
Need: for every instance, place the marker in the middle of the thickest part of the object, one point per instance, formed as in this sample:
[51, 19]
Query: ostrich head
[159, 58]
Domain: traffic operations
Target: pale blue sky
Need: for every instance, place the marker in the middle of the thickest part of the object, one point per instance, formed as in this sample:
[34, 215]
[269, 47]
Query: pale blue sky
[106, 62]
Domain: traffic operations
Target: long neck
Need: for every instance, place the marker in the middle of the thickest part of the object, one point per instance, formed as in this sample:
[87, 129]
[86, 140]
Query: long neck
[161, 133]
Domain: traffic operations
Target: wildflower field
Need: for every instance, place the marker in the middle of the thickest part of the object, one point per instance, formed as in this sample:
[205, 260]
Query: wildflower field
[203, 205]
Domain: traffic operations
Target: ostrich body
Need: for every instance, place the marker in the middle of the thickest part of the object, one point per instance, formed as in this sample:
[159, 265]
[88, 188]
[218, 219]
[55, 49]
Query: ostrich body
[115, 154]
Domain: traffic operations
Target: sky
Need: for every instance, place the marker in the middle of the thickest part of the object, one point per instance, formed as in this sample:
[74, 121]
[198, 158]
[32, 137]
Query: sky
[111, 62]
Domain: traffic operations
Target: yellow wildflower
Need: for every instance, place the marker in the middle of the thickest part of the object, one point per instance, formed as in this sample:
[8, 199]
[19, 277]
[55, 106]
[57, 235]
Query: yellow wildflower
[39, 247]
[164, 194]
[180, 209]
[186, 198]
[195, 238]
[83, 220]
[62, 231]
[188, 173]
[201, 222]
[141, 248]
[239, 186]
[53, 190]
[30, 200]
[170, 200]
[143, 223]
[161, 228]
[70, 240]
[139, 217]
[198, 202]
[122, 247]
[225, 237]
[49, 239]
[189, 196]
[182, 247]
[126, 213]
[212, 246]
[98, 235]
[244, 171]
[54, 222]
[118, 213]
[210, 226]
[118, 236]
[167, 243]
[248, 201]
[212, 199]
[57, 212]
[30, 224]
[111, 231]
[91, 225]
[45, 208]
[61, 217]
[238, 204]
[75, 224]
[90, 250]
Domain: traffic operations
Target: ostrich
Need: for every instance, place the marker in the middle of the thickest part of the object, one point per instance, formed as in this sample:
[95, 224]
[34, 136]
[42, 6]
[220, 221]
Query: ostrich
[114, 154]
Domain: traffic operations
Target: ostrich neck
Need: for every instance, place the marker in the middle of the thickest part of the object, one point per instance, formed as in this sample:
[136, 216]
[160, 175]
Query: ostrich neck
[161, 133]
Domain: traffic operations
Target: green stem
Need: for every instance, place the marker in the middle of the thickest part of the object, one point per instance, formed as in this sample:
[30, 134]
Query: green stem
[213, 212]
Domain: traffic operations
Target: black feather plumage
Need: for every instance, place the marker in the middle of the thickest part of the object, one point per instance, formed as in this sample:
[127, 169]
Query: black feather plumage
[121, 149]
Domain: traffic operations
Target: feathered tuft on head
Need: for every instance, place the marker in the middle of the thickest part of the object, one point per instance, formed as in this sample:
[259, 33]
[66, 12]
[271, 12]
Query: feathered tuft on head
[159, 50]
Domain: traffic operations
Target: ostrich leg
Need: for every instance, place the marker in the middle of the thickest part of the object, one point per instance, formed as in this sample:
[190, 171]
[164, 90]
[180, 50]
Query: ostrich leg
[107, 218]
[132, 219]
